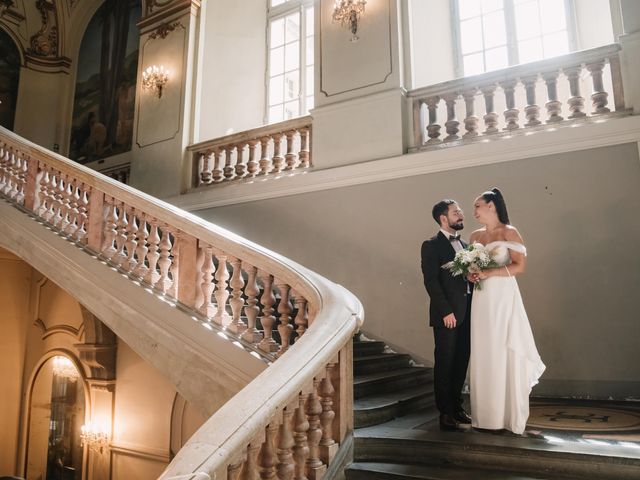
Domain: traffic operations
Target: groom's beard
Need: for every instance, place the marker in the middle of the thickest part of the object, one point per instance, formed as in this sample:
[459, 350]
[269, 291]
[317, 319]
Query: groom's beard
[457, 226]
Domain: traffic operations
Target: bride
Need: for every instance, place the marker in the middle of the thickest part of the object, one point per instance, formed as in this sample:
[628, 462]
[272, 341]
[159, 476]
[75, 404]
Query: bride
[504, 363]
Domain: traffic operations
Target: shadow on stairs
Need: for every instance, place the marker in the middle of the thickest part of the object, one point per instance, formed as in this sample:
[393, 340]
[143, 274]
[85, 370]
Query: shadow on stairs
[397, 434]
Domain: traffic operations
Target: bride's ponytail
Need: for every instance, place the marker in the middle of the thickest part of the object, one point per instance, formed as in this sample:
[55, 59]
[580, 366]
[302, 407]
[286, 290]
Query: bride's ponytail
[495, 195]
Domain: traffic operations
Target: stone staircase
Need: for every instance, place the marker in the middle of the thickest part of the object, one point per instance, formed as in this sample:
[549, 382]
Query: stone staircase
[397, 435]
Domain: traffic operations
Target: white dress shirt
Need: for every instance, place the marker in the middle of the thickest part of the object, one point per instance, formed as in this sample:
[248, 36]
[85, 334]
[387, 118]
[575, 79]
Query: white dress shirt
[457, 246]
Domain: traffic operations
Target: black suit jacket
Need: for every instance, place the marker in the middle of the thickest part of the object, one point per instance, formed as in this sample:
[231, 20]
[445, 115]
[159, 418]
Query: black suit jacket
[448, 293]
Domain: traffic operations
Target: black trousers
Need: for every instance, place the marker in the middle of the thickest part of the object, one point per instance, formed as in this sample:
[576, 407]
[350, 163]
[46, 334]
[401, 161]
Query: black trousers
[453, 346]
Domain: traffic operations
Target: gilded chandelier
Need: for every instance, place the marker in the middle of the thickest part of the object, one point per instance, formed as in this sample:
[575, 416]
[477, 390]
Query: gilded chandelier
[347, 13]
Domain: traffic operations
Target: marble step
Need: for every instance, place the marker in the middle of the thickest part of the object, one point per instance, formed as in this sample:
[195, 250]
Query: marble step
[394, 471]
[363, 348]
[380, 382]
[383, 407]
[486, 452]
[380, 362]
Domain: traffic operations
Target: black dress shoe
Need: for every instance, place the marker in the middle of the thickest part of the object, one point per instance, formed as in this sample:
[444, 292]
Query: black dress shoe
[462, 417]
[448, 423]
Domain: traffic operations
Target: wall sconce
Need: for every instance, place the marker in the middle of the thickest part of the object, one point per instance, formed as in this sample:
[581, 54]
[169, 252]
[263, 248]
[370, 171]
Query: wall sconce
[155, 78]
[94, 437]
[347, 13]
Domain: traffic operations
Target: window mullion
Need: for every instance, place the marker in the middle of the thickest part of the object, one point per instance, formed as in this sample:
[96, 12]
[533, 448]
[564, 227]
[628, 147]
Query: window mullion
[302, 76]
[512, 34]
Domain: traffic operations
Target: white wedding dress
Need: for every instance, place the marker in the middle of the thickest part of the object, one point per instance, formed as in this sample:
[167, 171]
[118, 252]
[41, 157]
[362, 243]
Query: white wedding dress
[504, 363]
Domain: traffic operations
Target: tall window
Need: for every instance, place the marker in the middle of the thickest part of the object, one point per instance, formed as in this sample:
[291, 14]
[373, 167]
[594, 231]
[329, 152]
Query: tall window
[290, 63]
[494, 34]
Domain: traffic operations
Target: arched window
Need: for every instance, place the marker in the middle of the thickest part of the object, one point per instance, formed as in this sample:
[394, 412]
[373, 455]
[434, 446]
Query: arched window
[9, 79]
[494, 34]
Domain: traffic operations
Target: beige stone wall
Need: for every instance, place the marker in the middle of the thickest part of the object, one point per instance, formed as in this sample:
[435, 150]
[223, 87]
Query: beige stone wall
[14, 294]
[578, 215]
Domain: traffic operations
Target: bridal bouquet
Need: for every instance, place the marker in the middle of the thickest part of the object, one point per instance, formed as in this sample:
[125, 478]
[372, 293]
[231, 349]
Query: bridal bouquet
[472, 259]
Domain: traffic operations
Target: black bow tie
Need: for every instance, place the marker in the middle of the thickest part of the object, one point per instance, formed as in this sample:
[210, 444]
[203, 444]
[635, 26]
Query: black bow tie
[454, 237]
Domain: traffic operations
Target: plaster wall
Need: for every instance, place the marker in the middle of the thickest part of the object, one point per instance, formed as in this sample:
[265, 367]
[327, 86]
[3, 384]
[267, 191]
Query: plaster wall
[233, 78]
[14, 298]
[579, 291]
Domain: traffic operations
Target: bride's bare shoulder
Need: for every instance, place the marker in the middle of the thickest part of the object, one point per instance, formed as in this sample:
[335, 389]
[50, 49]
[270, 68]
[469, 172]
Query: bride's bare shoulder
[511, 233]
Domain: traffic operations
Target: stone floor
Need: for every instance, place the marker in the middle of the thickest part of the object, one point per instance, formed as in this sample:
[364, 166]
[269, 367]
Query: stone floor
[615, 425]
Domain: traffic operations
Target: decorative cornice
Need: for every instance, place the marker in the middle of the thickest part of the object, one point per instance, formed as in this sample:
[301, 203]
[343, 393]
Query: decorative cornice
[591, 133]
[163, 12]
[48, 64]
[165, 29]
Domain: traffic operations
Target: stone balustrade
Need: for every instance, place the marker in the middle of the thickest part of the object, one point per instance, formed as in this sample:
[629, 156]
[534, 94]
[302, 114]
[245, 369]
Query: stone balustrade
[508, 100]
[291, 419]
[270, 150]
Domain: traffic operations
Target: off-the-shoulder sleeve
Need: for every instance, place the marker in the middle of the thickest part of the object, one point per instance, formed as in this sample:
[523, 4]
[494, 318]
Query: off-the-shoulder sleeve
[516, 247]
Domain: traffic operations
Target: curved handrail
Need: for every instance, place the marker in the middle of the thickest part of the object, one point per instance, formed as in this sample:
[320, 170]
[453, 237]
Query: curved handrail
[192, 261]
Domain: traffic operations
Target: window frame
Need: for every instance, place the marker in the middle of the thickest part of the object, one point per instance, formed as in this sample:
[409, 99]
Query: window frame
[276, 13]
[511, 33]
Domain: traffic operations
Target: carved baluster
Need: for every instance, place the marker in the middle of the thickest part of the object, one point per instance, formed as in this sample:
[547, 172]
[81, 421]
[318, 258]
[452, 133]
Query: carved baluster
[554, 107]
[205, 168]
[229, 171]
[217, 173]
[452, 123]
[236, 302]
[278, 159]
[253, 165]
[49, 211]
[251, 309]
[576, 102]
[58, 188]
[291, 158]
[164, 261]
[328, 446]
[251, 470]
[131, 243]
[301, 320]
[532, 110]
[13, 173]
[174, 269]
[433, 129]
[304, 155]
[120, 257]
[66, 212]
[265, 162]
[21, 180]
[267, 320]
[267, 455]
[285, 466]
[301, 448]
[152, 256]
[83, 215]
[233, 471]
[313, 409]
[241, 167]
[221, 294]
[207, 286]
[599, 96]
[73, 214]
[470, 119]
[511, 113]
[43, 195]
[491, 117]
[284, 309]
[142, 238]
[110, 232]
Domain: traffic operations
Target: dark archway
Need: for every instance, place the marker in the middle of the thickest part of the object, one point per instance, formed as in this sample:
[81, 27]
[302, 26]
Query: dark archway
[9, 79]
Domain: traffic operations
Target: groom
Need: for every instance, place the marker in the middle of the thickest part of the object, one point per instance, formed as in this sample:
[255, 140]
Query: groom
[449, 313]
